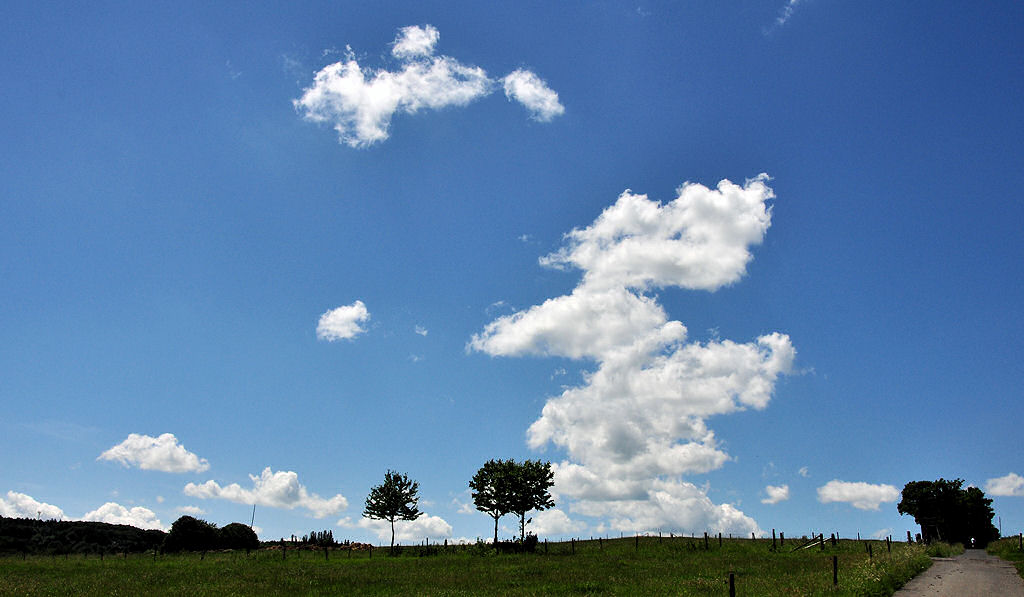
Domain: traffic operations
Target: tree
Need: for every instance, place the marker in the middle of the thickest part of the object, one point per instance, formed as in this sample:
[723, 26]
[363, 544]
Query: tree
[238, 536]
[191, 534]
[529, 490]
[395, 499]
[946, 512]
[491, 490]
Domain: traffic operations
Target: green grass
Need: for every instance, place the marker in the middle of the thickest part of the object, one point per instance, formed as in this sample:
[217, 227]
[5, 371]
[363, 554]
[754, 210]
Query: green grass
[677, 566]
[1009, 549]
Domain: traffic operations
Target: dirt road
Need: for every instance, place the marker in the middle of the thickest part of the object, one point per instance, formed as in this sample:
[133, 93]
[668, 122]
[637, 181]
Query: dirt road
[971, 574]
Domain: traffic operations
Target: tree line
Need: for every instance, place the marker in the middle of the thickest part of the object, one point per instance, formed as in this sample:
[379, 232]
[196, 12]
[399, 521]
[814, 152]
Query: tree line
[500, 487]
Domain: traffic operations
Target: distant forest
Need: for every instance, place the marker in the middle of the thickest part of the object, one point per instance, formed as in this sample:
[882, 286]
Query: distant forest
[31, 536]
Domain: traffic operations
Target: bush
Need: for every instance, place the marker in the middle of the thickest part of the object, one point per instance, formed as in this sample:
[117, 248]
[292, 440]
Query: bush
[238, 536]
[191, 534]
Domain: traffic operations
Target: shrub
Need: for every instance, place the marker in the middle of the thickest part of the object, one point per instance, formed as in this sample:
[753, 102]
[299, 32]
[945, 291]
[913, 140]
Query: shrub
[238, 536]
[191, 534]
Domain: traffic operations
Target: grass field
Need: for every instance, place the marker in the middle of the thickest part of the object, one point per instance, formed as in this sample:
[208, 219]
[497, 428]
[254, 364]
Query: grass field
[648, 566]
[1011, 549]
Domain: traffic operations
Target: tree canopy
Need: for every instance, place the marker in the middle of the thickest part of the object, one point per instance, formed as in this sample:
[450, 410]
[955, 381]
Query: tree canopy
[508, 487]
[394, 499]
[947, 512]
[531, 481]
[491, 489]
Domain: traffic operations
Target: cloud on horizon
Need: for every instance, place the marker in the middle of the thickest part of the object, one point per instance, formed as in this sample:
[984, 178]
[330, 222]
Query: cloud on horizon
[406, 531]
[863, 496]
[276, 490]
[359, 103]
[162, 453]
[114, 513]
[20, 505]
[342, 323]
[637, 423]
[1012, 485]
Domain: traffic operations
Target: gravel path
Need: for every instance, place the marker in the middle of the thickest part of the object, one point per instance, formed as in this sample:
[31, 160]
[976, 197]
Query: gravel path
[971, 574]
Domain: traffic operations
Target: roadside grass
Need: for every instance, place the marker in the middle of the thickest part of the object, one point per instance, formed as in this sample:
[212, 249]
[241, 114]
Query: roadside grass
[1009, 548]
[651, 565]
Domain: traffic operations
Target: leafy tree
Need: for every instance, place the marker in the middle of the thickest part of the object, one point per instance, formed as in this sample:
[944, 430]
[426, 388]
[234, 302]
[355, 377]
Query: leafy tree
[531, 481]
[238, 536]
[491, 487]
[946, 512]
[395, 499]
[191, 534]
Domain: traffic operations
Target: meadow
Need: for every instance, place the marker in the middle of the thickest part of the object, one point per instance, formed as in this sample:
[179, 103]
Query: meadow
[627, 566]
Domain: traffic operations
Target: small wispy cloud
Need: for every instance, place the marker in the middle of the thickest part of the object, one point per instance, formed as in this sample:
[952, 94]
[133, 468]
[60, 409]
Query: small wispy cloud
[420, 330]
[776, 494]
[785, 13]
[342, 323]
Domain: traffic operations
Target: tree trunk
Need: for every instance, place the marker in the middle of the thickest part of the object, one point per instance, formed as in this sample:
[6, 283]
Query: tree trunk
[392, 535]
[496, 532]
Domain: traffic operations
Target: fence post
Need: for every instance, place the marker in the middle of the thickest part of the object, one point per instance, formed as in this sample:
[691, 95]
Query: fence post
[835, 571]
[719, 539]
[600, 544]
[573, 546]
[732, 585]
[909, 538]
[773, 540]
[706, 547]
[782, 539]
[821, 541]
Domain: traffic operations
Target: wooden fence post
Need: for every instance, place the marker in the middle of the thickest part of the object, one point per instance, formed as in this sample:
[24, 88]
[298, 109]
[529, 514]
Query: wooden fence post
[782, 539]
[719, 539]
[732, 585]
[909, 538]
[573, 546]
[706, 548]
[773, 540]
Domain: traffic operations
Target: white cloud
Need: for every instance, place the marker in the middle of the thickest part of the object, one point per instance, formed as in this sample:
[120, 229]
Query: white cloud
[530, 90]
[421, 330]
[114, 513]
[776, 494]
[277, 490]
[637, 422]
[863, 496]
[803, 472]
[700, 240]
[415, 41]
[191, 510]
[342, 323]
[434, 528]
[1010, 485]
[786, 12]
[360, 102]
[554, 522]
[162, 453]
[20, 505]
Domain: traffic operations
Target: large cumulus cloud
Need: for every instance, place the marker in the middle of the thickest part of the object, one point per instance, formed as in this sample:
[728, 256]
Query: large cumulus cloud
[637, 423]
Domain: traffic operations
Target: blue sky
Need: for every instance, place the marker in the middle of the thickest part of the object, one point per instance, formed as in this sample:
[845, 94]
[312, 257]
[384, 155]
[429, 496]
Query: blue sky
[729, 266]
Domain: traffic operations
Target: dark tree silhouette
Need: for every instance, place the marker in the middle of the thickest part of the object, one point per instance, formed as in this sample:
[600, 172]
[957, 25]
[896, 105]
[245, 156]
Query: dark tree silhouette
[491, 487]
[238, 536]
[395, 499]
[946, 512]
[191, 534]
